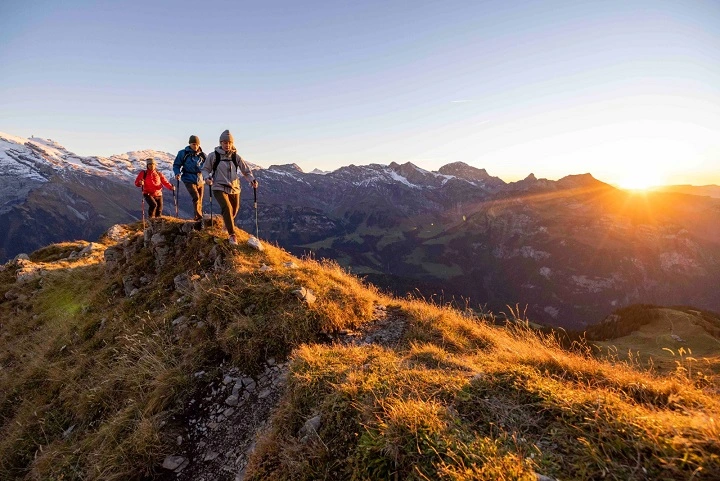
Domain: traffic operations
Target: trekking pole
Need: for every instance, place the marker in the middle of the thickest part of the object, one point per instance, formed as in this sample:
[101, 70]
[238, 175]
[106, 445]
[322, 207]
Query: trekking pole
[257, 234]
[143, 208]
[176, 196]
[210, 194]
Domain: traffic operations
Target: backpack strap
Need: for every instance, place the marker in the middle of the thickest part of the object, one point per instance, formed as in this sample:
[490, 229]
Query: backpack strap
[199, 153]
[233, 157]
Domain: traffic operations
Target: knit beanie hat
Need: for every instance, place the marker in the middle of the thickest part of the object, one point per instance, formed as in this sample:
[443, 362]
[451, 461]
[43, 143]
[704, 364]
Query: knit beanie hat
[226, 136]
[194, 139]
[149, 161]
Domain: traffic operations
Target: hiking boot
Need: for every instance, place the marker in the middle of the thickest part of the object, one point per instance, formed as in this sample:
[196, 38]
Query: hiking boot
[233, 240]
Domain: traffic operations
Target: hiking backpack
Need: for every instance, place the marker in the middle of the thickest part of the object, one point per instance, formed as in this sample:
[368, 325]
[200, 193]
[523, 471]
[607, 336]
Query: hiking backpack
[200, 153]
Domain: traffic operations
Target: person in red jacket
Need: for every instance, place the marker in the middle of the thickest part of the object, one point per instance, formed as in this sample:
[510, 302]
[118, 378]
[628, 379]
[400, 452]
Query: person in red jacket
[152, 181]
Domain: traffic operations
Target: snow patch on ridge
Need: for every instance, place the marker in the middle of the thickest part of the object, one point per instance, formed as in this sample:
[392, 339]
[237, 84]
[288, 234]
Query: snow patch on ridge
[399, 178]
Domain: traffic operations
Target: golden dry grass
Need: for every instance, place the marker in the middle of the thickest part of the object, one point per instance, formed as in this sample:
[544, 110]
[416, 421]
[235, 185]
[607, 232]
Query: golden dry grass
[90, 380]
[465, 400]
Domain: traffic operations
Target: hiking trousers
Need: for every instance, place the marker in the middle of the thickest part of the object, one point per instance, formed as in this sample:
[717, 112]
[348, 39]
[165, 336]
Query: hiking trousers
[155, 205]
[196, 194]
[229, 207]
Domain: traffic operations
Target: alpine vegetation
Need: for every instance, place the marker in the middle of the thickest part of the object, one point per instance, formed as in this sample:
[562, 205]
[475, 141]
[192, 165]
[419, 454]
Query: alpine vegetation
[168, 353]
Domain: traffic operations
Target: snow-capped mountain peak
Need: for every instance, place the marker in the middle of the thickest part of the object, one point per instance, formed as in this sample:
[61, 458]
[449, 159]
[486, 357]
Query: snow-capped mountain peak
[39, 159]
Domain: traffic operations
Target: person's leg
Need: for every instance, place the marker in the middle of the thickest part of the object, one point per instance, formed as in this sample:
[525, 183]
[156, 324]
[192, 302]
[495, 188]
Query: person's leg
[199, 207]
[235, 204]
[152, 205]
[158, 210]
[195, 195]
[226, 210]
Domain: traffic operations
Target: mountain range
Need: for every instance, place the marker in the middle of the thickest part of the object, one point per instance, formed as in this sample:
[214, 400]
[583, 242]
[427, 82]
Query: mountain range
[568, 251]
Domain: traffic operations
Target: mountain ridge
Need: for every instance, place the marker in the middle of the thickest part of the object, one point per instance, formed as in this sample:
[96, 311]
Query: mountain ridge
[573, 249]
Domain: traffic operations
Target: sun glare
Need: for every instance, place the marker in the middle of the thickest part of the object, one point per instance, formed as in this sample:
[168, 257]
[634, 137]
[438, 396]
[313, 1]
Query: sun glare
[636, 183]
[640, 179]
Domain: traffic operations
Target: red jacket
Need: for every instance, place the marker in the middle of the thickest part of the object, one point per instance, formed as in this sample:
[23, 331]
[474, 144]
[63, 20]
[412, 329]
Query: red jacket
[154, 182]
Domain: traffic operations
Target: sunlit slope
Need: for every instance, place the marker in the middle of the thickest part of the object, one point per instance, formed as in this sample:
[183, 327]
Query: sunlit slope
[94, 373]
[464, 400]
[675, 338]
[98, 373]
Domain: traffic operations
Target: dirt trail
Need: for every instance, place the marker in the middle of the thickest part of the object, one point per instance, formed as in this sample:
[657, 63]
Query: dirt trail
[234, 409]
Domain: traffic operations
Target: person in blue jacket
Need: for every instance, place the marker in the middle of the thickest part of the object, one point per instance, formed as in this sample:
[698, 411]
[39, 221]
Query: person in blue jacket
[188, 168]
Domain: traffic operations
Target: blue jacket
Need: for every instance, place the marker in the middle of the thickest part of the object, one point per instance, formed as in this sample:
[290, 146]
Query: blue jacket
[189, 163]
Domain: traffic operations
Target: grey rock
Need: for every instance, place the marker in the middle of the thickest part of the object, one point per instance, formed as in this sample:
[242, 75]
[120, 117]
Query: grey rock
[249, 383]
[117, 233]
[255, 243]
[68, 431]
[182, 283]
[113, 255]
[232, 401]
[305, 294]
[210, 456]
[173, 462]
[90, 249]
[129, 284]
[311, 426]
[158, 240]
[11, 295]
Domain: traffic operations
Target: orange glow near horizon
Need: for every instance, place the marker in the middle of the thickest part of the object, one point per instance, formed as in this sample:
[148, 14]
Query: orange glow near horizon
[641, 178]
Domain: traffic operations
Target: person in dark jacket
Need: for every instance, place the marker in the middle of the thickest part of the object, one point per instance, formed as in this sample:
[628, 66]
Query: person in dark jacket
[152, 181]
[222, 170]
[188, 168]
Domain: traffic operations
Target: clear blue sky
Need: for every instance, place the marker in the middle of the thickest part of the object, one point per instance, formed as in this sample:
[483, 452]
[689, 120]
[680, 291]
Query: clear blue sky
[622, 89]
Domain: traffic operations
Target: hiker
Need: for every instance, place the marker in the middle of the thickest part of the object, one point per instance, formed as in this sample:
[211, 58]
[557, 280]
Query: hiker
[152, 181]
[189, 163]
[221, 171]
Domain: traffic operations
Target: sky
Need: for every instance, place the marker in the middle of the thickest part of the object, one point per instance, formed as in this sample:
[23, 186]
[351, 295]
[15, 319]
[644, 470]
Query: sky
[626, 90]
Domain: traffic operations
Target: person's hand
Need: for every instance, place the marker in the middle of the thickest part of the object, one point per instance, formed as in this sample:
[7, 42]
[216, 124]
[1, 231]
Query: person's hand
[177, 177]
[209, 181]
[142, 183]
[254, 183]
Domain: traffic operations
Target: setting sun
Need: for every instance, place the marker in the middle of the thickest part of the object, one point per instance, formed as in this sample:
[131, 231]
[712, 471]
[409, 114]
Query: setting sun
[640, 179]
[637, 183]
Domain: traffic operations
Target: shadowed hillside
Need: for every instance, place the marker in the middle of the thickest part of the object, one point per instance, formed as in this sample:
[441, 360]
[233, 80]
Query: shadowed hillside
[169, 354]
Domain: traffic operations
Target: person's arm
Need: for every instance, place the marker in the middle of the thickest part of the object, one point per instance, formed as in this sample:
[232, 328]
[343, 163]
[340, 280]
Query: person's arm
[164, 182]
[178, 163]
[207, 167]
[139, 179]
[247, 172]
